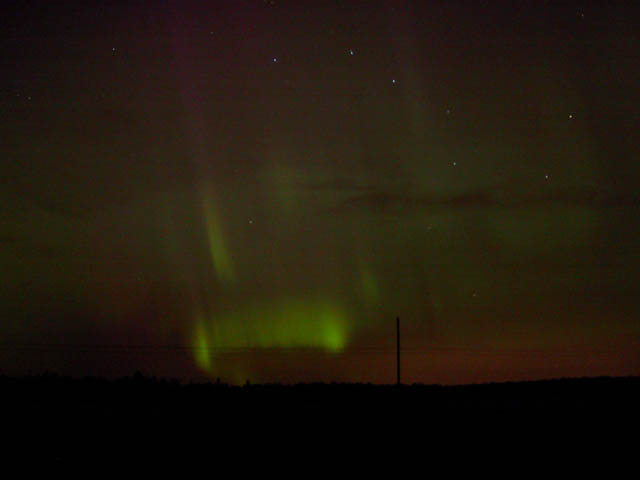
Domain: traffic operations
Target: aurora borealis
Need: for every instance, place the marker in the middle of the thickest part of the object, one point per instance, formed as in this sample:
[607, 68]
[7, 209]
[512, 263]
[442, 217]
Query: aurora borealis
[254, 190]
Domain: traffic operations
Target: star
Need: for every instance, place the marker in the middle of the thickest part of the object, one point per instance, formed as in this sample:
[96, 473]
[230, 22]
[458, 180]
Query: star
[393, 81]
[351, 52]
[546, 177]
[275, 59]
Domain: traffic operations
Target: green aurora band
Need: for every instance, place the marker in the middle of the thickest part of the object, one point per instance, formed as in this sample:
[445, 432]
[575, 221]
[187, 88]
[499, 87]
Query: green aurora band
[289, 324]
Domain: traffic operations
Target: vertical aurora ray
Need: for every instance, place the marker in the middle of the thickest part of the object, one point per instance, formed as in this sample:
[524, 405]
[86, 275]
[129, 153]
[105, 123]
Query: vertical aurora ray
[220, 256]
[369, 286]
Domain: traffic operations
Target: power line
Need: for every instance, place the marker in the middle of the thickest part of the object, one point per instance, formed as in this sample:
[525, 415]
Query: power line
[124, 348]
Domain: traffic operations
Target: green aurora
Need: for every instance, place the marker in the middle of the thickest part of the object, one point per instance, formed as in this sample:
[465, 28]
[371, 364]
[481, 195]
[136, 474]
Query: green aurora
[176, 202]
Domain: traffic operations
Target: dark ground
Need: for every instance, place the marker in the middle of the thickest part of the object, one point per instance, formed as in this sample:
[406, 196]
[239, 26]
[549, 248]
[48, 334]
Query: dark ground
[60, 420]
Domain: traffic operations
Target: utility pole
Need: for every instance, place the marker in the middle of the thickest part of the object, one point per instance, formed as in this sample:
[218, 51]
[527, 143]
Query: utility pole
[397, 350]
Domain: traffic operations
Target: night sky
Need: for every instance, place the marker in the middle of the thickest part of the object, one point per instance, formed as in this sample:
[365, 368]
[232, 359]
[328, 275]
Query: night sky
[255, 190]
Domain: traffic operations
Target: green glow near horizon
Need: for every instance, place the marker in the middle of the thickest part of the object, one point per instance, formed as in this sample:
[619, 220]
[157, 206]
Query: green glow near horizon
[201, 348]
[285, 324]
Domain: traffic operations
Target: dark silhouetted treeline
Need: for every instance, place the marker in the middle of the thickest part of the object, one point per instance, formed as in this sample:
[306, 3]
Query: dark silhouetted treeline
[94, 421]
[147, 395]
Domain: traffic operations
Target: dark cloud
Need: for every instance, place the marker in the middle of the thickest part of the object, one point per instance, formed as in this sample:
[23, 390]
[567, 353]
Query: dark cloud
[382, 200]
[338, 184]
